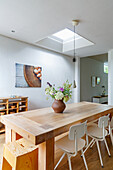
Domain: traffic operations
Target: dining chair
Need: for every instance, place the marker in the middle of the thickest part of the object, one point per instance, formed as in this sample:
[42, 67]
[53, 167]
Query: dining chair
[111, 129]
[98, 133]
[73, 143]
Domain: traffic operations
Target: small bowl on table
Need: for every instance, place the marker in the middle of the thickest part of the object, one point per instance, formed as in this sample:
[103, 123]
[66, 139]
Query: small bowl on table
[12, 107]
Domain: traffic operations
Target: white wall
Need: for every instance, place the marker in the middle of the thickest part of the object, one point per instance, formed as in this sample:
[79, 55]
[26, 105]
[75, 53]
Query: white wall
[88, 68]
[56, 69]
[110, 77]
[77, 80]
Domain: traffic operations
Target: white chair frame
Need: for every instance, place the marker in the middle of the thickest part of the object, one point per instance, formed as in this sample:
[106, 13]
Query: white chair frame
[102, 123]
[110, 130]
[75, 132]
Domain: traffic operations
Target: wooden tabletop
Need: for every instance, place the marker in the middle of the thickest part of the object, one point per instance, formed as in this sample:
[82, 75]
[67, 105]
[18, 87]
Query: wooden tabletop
[43, 124]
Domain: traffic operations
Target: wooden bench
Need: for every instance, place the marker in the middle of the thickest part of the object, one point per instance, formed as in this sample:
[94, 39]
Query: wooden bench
[20, 155]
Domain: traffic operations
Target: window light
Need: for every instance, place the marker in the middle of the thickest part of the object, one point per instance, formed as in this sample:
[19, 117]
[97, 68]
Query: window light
[105, 68]
[65, 34]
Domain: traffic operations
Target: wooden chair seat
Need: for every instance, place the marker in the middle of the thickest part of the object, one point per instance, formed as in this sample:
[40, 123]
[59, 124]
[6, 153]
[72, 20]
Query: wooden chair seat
[69, 146]
[20, 154]
[96, 132]
[61, 136]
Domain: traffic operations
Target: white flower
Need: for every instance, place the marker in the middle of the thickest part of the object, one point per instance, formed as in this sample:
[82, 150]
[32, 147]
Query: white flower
[47, 91]
[51, 92]
[59, 96]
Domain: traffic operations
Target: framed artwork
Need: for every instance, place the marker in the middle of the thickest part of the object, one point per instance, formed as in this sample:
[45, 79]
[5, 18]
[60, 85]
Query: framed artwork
[97, 80]
[28, 76]
[93, 81]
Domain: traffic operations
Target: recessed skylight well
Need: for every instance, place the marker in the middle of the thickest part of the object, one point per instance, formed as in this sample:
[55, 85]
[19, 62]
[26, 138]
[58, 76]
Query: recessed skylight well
[65, 34]
[63, 41]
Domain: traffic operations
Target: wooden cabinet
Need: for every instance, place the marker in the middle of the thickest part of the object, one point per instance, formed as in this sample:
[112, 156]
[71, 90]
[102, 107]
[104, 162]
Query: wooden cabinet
[100, 99]
[12, 105]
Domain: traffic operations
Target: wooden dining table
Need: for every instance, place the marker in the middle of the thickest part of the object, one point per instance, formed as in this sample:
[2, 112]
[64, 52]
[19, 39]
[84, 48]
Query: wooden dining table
[41, 126]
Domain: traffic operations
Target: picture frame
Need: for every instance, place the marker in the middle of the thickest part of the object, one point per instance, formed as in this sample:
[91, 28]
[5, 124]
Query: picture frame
[28, 76]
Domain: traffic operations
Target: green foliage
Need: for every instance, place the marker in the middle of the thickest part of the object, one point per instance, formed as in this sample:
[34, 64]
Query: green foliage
[62, 93]
[105, 68]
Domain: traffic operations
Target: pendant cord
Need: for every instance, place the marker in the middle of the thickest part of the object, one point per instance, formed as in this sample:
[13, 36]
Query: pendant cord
[74, 84]
[74, 43]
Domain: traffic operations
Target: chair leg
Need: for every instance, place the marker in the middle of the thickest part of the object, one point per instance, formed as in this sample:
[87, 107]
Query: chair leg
[84, 159]
[99, 153]
[59, 161]
[92, 144]
[87, 140]
[69, 160]
[88, 145]
[107, 147]
[111, 136]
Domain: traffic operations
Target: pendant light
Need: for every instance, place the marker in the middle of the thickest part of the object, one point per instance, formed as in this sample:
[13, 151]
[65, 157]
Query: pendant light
[74, 23]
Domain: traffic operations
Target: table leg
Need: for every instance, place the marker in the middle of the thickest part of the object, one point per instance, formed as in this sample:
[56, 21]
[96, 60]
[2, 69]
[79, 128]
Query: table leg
[7, 134]
[46, 155]
[11, 135]
[15, 136]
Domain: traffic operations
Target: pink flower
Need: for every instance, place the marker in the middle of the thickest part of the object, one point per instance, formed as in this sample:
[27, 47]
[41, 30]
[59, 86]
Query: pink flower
[61, 89]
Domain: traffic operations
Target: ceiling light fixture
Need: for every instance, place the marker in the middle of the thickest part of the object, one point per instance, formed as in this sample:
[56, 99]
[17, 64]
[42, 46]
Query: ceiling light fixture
[74, 23]
[13, 31]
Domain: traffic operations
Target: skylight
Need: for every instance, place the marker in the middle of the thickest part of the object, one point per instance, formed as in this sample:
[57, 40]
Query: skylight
[63, 41]
[65, 34]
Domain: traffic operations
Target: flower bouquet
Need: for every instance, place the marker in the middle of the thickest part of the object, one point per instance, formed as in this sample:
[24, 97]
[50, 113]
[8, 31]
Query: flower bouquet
[61, 94]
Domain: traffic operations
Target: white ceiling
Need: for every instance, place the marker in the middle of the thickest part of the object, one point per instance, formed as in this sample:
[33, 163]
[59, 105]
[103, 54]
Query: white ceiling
[34, 20]
[102, 58]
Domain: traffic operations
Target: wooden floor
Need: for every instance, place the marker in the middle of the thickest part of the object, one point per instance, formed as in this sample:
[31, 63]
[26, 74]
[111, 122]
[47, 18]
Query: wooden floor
[92, 159]
[2, 141]
[77, 162]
